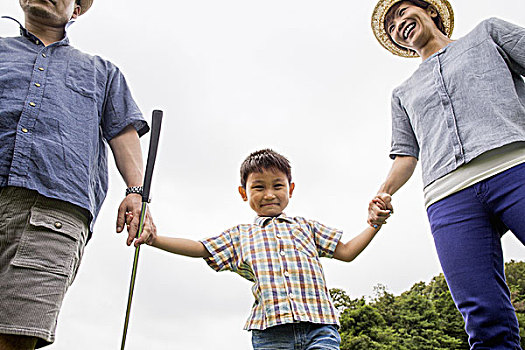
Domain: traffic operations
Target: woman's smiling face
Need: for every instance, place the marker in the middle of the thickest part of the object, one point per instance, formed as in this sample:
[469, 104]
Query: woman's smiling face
[411, 26]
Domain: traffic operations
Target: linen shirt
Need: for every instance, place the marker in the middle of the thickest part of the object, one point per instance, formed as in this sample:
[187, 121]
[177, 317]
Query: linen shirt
[281, 256]
[464, 100]
[58, 109]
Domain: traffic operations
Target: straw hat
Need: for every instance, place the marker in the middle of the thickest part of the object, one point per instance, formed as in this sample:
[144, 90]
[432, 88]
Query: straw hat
[85, 4]
[378, 24]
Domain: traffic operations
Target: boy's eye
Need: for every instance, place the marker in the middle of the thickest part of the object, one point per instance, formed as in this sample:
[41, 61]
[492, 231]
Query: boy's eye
[402, 11]
[391, 29]
[257, 187]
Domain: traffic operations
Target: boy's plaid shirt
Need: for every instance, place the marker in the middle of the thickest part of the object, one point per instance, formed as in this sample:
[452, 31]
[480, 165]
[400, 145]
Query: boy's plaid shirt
[281, 256]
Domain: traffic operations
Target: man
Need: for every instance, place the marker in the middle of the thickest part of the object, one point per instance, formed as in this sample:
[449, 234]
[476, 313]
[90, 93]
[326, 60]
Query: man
[58, 108]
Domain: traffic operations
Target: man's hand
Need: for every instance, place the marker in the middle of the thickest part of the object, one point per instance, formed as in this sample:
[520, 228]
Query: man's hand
[129, 215]
[379, 209]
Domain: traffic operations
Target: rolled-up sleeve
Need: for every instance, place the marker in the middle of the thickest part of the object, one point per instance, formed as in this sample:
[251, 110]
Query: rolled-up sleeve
[404, 142]
[511, 39]
[120, 110]
[222, 249]
[326, 238]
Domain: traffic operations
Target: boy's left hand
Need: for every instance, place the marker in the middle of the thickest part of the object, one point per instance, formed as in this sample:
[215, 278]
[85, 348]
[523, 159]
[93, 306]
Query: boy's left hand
[379, 210]
[143, 239]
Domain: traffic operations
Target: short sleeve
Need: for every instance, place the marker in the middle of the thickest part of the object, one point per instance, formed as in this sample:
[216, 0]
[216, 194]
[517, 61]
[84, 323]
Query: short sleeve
[326, 238]
[223, 251]
[404, 142]
[120, 109]
[511, 39]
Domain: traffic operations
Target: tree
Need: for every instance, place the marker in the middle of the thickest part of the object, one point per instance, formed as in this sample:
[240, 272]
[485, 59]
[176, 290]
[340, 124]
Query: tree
[421, 318]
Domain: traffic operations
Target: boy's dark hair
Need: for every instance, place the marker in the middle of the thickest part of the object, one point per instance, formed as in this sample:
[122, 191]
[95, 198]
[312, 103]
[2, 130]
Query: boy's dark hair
[264, 159]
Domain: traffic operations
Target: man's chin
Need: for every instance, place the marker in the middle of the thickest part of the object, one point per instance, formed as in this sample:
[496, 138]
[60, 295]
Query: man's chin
[40, 11]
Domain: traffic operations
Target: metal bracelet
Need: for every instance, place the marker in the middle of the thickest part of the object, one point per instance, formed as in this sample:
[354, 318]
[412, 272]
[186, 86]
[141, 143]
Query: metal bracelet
[134, 189]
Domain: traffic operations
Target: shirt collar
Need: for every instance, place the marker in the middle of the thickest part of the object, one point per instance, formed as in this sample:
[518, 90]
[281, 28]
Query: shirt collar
[264, 220]
[27, 34]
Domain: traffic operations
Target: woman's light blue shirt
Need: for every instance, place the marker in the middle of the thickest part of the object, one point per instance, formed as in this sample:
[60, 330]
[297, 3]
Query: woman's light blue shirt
[465, 100]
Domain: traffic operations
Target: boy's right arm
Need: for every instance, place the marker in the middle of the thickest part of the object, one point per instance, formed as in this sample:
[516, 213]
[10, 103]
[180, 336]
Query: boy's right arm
[181, 246]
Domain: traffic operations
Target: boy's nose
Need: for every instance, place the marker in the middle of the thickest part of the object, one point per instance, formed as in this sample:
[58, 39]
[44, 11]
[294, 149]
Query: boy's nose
[269, 194]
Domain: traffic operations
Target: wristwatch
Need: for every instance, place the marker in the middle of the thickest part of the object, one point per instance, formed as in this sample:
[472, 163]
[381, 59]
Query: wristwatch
[134, 189]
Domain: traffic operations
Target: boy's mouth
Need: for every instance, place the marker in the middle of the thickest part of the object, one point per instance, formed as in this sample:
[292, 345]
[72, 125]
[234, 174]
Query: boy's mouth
[268, 204]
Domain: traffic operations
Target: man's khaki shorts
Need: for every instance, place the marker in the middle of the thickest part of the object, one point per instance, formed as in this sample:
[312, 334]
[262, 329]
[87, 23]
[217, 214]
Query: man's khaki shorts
[41, 245]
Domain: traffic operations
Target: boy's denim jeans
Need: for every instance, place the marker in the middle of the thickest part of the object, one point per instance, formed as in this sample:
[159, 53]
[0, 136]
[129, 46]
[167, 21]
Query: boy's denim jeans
[467, 228]
[297, 336]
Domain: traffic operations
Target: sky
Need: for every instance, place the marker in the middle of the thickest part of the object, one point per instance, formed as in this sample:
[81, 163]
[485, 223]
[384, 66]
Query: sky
[305, 78]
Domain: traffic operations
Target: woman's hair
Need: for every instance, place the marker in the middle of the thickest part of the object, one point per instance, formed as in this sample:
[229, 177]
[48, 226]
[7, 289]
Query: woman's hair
[265, 159]
[438, 20]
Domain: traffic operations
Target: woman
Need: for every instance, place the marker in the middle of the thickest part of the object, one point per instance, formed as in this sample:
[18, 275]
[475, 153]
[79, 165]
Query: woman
[462, 113]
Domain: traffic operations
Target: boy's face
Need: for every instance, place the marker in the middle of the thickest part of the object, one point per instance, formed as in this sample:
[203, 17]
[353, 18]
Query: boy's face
[268, 192]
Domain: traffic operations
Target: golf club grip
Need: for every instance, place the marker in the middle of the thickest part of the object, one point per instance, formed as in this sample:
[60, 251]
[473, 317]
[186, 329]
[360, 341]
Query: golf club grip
[156, 122]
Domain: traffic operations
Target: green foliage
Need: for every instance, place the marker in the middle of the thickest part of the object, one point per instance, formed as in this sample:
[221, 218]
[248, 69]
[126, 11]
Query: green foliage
[423, 318]
[515, 274]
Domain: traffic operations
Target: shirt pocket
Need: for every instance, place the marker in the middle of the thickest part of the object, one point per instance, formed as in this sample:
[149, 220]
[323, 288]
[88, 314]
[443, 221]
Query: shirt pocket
[53, 241]
[304, 243]
[81, 80]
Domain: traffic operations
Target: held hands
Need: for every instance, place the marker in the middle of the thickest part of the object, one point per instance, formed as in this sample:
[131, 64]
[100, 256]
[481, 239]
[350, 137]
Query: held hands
[129, 215]
[379, 209]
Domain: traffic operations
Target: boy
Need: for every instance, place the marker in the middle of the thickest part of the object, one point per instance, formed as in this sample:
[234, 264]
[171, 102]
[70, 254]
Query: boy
[280, 255]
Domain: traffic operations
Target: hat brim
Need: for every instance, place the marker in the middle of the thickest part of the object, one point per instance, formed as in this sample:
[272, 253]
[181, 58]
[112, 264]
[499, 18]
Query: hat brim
[378, 24]
[85, 5]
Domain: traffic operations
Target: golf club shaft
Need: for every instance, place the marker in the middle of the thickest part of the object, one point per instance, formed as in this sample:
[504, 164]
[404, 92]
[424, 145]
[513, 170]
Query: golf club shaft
[150, 164]
[133, 275]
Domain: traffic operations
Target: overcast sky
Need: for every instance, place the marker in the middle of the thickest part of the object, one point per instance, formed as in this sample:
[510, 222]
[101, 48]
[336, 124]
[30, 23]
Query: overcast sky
[306, 78]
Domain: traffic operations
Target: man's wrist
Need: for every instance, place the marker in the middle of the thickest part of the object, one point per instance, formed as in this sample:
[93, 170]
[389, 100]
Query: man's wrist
[134, 189]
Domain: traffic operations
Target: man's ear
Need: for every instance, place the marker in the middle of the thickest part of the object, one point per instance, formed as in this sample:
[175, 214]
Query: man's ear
[76, 11]
[292, 187]
[242, 192]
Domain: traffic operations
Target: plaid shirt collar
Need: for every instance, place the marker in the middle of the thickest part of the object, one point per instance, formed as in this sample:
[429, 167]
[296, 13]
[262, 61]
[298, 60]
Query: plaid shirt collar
[264, 220]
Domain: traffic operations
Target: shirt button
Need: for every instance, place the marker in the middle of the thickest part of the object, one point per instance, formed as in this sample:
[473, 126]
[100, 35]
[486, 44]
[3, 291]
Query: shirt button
[58, 225]
[37, 85]
[40, 69]
[277, 236]
[291, 295]
[24, 130]
[286, 274]
[37, 42]
[282, 253]
[32, 104]
[44, 55]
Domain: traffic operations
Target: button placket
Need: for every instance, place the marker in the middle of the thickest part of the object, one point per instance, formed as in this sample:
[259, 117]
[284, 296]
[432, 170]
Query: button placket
[21, 153]
[284, 268]
[450, 117]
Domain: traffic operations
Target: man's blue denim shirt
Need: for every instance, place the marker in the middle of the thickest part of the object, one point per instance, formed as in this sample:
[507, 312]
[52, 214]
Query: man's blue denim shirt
[58, 109]
[466, 99]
